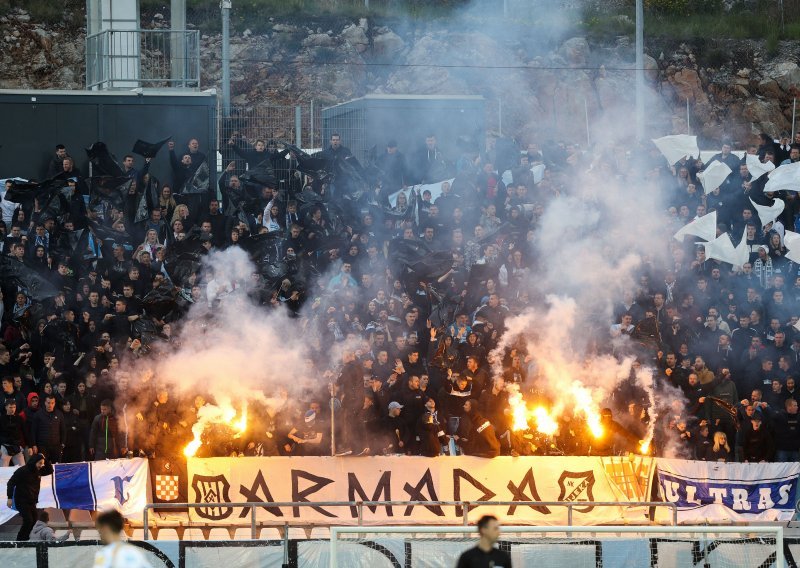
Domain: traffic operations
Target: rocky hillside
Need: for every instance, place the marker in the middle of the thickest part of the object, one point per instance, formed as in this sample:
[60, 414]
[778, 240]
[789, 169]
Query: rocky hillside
[542, 88]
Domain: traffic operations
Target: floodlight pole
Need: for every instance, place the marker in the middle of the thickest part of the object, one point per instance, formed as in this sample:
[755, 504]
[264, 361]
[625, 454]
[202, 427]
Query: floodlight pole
[639, 70]
[225, 5]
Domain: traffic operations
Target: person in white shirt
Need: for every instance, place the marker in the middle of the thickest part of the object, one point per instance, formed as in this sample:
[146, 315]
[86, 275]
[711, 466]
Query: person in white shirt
[116, 553]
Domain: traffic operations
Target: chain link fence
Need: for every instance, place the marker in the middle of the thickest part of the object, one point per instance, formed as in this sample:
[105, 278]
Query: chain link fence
[303, 126]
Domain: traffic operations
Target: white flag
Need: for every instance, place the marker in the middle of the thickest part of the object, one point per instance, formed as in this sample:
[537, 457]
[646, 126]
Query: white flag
[677, 146]
[721, 249]
[705, 227]
[784, 177]
[742, 250]
[713, 176]
[792, 242]
[756, 168]
[768, 213]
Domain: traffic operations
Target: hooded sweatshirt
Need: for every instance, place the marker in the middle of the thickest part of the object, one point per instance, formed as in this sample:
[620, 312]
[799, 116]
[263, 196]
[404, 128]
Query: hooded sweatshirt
[41, 532]
[23, 486]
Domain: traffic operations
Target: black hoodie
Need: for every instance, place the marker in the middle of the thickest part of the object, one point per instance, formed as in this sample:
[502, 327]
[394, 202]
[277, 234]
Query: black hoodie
[23, 487]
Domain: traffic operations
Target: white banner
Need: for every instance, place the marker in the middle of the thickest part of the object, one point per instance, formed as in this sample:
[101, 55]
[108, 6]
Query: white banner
[434, 188]
[716, 492]
[92, 486]
[534, 479]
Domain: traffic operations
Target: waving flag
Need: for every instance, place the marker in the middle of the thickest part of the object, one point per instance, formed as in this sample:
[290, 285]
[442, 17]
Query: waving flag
[90, 486]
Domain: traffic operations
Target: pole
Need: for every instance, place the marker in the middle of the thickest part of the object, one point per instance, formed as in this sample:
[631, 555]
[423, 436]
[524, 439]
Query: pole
[311, 130]
[586, 114]
[794, 113]
[177, 23]
[639, 70]
[333, 425]
[298, 125]
[500, 116]
[225, 5]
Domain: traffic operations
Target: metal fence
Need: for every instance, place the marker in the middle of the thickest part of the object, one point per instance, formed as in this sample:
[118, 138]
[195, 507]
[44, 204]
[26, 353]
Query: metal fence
[301, 125]
[129, 59]
[462, 508]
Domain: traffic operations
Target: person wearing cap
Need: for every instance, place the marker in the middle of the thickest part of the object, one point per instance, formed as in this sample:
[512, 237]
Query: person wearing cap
[397, 428]
[306, 440]
[762, 267]
[429, 432]
[23, 491]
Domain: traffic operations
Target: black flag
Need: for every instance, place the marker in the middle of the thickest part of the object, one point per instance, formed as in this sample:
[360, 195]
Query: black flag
[198, 183]
[148, 149]
[102, 161]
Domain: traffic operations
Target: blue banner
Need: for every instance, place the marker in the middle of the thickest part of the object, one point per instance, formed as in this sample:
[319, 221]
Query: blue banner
[729, 492]
[72, 486]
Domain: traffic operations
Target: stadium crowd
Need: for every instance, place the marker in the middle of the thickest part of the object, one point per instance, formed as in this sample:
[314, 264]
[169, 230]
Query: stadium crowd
[421, 260]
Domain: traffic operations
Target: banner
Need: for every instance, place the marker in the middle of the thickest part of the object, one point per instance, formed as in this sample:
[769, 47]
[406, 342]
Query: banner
[434, 188]
[92, 486]
[716, 492]
[316, 480]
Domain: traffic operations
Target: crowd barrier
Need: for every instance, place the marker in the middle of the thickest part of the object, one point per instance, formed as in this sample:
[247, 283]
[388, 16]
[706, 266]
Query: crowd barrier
[607, 551]
[383, 490]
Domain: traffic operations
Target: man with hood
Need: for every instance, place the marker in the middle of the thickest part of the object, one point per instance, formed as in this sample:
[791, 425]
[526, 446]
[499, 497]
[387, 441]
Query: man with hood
[28, 415]
[23, 491]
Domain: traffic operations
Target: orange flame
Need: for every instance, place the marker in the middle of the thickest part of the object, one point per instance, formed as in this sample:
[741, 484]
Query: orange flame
[210, 414]
[545, 423]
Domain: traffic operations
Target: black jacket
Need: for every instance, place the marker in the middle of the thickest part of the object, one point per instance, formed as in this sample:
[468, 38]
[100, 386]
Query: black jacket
[48, 429]
[11, 430]
[23, 487]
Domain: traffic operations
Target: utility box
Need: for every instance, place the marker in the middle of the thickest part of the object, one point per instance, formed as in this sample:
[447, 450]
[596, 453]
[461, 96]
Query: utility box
[35, 121]
[370, 122]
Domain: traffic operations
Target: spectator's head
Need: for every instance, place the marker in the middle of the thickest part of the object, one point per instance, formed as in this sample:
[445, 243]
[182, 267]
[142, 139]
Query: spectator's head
[336, 140]
[109, 525]
[489, 529]
[49, 403]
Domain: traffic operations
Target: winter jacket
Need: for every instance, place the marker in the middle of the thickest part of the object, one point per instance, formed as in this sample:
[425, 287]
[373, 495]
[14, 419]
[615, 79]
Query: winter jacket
[11, 430]
[103, 436]
[23, 486]
[48, 429]
[478, 436]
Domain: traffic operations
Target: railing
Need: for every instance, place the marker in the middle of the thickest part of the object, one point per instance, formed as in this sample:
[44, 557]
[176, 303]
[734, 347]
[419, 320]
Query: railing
[465, 507]
[129, 59]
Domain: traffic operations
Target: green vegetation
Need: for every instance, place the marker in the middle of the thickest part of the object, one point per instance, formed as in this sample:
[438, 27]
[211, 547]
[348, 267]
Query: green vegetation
[699, 19]
[48, 11]
[255, 14]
